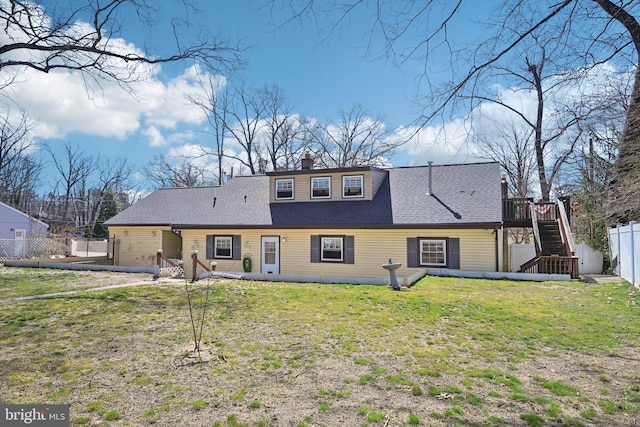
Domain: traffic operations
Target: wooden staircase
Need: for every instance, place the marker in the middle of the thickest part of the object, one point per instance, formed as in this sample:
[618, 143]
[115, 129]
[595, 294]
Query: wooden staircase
[551, 239]
[555, 253]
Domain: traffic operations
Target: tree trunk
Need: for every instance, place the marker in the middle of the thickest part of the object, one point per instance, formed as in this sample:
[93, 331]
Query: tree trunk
[624, 204]
[536, 72]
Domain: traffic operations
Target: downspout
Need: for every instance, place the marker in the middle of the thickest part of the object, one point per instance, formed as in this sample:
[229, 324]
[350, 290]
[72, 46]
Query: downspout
[495, 231]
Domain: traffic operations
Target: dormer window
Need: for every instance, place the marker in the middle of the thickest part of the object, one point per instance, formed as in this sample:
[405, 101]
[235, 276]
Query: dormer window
[284, 189]
[352, 186]
[321, 188]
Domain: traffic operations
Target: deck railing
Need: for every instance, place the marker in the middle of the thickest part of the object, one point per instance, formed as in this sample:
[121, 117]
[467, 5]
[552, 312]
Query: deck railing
[553, 264]
[516, 210]
[169, 267]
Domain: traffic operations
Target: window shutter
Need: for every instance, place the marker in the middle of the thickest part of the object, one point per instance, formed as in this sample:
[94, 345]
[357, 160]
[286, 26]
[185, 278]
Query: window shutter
[237, 247]
[315, 248]
[412, 252]
[349, 252]
[209, 250]
[454, 253]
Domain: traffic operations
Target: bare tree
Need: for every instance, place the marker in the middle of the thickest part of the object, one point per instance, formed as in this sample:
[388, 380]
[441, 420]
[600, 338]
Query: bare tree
[357, 139]
[512, 147]
[592, 32]
[555, 124]
[46, 39]
[214, 103]
[74, 167]
[247, 110]
[177, 171]
[20, 182]
[285, 139]
[259, 121]
[18, 171]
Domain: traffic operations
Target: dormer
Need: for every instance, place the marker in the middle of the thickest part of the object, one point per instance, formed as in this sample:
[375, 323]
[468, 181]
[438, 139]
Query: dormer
[324, 185]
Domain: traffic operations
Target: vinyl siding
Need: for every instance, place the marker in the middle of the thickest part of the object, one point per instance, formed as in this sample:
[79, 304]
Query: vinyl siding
[196, 240]
[136, 246]
[171, 244]
[302, 185]
[377, 177]
[11, 219]
[373, 248]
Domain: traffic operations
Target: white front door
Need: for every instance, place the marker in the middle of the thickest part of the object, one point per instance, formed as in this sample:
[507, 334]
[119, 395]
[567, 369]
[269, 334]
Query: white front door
[270, 255]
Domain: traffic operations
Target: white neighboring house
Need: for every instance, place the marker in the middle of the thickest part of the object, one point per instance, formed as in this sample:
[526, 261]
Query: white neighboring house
[18, 225]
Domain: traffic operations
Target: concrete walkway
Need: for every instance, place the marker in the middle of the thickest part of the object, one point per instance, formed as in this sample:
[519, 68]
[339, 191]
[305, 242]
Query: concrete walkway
[602, 278]
[160, 281]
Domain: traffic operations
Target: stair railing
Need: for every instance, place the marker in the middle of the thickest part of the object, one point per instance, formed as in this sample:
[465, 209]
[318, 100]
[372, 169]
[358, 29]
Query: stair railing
[565, 230]
[536, 231]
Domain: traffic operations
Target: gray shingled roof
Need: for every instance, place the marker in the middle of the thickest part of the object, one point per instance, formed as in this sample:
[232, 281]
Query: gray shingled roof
[463, 195]
[244, 200]
[471, 191]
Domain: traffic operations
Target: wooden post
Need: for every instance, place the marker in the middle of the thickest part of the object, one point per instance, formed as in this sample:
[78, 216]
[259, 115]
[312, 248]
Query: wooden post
[159, 258]
[194, 265]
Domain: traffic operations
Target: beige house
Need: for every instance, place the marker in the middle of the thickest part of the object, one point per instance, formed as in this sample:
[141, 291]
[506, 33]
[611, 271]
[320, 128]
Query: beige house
[339, 225]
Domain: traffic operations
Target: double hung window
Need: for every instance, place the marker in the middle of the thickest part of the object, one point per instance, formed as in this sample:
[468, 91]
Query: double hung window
[222, 247]
[332, 249]
[321, 187]
[352, 186]
[284, 189]
[433, 252]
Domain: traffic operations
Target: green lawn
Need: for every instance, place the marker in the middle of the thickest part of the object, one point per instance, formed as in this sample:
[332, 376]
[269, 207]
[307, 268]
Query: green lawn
[445, 352]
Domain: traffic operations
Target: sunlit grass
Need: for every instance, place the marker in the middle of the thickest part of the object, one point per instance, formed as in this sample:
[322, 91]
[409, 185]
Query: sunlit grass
[412, 342]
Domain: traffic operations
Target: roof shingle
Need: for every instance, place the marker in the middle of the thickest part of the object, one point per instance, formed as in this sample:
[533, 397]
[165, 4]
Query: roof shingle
[462, 195]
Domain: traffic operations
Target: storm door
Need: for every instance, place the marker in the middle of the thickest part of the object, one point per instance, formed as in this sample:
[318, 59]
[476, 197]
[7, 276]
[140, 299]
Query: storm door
[270, 255]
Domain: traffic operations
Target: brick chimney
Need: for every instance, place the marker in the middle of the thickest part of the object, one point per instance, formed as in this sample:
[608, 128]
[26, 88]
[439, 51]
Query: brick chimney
[307, 162]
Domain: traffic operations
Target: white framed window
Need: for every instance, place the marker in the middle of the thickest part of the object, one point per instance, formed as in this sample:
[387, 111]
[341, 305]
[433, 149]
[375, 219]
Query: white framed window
[284, 189]
[223, 247]
[331, 249]
[321, 187]
[433, 252]
[352, 186]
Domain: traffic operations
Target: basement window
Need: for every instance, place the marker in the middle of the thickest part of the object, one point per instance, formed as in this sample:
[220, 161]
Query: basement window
[321, 187]
[284, 189]
[433, 252]
[352, 186]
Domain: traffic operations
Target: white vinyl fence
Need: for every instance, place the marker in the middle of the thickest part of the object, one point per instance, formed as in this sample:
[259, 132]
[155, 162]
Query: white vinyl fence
[89, 248]
[591, 261]
[624, 247]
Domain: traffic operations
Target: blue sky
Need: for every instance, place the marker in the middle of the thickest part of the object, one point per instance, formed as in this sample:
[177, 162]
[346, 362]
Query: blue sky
[319, 75]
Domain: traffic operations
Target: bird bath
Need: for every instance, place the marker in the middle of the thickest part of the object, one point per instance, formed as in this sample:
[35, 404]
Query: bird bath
[393, 277]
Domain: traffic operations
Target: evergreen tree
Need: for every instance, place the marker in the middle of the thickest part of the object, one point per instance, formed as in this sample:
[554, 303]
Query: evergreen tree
[109, 207]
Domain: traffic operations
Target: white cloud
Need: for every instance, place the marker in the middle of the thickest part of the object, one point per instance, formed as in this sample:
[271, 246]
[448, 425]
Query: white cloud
[452, 141]
[154, 137]
[441, 144]
[62, 103]
[65, 102]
